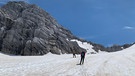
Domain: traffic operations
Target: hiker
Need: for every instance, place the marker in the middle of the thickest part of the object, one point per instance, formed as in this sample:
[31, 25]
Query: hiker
[74, 56]
[82, 57]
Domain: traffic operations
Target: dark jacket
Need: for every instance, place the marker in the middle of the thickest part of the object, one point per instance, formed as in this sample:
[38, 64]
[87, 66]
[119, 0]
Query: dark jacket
[82, 54]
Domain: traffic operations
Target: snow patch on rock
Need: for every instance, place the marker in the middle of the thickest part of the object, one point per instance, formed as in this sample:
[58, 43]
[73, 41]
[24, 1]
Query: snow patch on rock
[85, 45]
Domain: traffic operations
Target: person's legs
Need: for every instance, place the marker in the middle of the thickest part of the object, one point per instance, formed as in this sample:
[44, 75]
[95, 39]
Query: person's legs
[73, 56]
[81, 60]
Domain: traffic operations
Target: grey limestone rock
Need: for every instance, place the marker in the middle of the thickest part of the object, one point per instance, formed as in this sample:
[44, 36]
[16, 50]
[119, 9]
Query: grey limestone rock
[26, 29]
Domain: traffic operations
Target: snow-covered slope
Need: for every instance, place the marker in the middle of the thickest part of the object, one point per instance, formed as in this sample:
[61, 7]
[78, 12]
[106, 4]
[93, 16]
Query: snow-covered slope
[88, 47]
[120, 63]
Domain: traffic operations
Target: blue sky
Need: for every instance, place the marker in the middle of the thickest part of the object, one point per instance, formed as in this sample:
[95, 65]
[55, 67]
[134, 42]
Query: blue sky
[105, 22]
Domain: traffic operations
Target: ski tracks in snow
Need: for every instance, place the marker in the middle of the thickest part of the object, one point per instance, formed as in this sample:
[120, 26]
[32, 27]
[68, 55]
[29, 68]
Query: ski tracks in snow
[65, 65]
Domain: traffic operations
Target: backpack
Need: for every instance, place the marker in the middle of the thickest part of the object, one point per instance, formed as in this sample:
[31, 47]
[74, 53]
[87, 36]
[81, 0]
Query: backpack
[83, 54]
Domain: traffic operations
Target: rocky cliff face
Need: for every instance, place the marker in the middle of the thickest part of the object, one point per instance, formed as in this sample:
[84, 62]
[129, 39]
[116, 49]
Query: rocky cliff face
[26, 29]
[113, 48]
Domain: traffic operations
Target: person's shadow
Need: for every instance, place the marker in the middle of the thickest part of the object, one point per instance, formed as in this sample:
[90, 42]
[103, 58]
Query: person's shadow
[78, 64]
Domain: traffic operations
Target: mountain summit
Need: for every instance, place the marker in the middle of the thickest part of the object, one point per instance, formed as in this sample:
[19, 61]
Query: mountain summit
[26, 29]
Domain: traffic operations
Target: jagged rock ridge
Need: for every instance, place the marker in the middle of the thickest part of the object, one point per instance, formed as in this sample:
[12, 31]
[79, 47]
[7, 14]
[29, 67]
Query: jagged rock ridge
[26, 29]
[114, 48]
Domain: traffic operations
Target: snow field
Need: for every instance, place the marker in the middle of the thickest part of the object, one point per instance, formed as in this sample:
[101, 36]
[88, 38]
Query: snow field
[120, 63]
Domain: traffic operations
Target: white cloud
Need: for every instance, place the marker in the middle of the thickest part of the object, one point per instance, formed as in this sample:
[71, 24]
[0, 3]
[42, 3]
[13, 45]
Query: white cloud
[128, 28]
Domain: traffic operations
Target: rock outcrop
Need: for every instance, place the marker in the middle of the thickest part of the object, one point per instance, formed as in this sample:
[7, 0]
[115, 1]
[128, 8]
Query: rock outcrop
[26, 29]
[113, 48]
